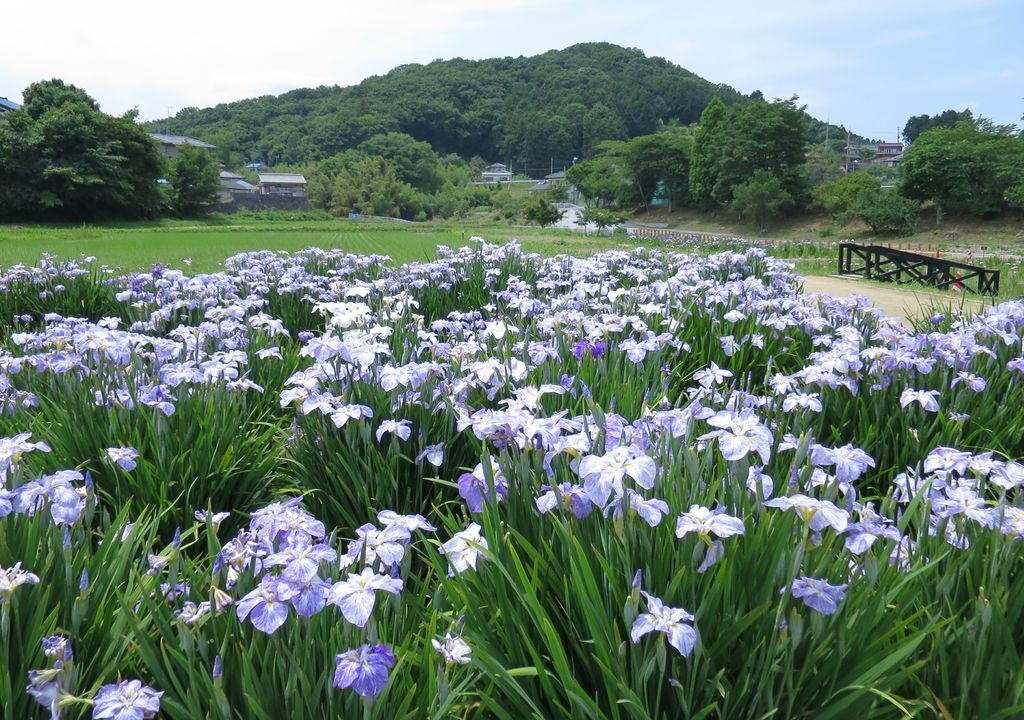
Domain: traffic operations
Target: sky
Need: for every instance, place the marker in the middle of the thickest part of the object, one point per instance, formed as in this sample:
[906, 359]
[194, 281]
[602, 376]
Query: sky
[868, 65]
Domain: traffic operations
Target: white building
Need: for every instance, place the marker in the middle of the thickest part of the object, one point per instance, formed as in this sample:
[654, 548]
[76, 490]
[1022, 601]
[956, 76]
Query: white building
[496, 173]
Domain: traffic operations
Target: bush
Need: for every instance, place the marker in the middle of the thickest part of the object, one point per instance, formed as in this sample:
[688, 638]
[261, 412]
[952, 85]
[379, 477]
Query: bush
[839, 196]
[761, 198]
[540, 211]
[888, 213]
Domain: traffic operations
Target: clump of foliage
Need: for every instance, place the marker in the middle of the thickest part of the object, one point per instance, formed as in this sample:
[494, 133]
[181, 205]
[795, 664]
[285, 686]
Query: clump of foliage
[195, 179]
[539, 210]
[839, 196]
[732, 143]
[61, 158]
[888, 213]
[919, 124]
[762, 198]
[969, 168]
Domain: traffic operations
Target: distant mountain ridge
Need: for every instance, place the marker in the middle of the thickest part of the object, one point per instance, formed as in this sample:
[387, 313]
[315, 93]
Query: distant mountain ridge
[530, 111]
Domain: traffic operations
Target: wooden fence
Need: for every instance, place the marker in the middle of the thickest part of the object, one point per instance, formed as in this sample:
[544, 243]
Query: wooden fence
[876, 262]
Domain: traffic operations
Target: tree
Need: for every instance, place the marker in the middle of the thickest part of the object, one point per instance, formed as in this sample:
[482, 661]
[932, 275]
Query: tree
[968, 168]
[839, 196]
[762, 136]
[922, 123]
[370, 186]
[601, 217]
[661, 161]
[605, 178]
[823, 164]
[61, 158]
[195, 180]
[708, 144]
[761, 198]
[540, 211]
[888, 213]
[415, 162]
[733, 143]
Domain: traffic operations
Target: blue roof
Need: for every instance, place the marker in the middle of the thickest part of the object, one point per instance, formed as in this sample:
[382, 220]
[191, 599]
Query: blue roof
[9, 104]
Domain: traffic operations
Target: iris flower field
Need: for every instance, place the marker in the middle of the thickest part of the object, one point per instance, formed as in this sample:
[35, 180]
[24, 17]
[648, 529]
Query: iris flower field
[643, 484]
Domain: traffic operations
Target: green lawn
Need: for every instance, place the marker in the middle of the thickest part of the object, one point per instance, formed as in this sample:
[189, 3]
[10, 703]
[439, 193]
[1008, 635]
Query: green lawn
[207, 244]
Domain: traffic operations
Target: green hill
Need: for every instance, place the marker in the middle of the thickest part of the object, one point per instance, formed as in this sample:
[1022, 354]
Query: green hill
[526, 110]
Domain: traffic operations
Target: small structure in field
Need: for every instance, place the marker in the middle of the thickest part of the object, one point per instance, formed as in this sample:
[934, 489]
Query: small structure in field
[283, 184]
[495, 173]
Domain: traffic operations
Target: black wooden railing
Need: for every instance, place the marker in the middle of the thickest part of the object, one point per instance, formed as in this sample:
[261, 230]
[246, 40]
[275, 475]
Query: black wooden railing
[876, 262]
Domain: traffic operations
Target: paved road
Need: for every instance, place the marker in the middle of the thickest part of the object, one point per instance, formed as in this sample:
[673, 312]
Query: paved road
[896, 301]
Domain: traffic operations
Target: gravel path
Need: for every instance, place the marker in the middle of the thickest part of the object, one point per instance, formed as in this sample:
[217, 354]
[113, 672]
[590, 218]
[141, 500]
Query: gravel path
[899, 301]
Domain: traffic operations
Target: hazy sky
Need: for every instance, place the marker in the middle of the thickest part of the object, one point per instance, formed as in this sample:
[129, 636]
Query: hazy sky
[867, 64]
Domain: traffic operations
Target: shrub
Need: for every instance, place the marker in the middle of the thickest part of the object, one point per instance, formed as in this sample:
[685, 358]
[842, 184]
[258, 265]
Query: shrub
[839, 196]
[762, 198]
[888, 213]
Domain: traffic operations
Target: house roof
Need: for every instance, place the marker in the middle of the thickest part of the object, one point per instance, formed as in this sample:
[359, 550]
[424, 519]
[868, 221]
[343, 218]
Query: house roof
[227, 184]
[560, 175]
[8, 104]
[180, 140]
[282, 178]
[225, 175]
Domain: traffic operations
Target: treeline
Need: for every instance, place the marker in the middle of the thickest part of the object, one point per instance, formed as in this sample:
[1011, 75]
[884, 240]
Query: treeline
[749, 158]
[528, 111]
[958, 166]
[61, 158]
[754, 161]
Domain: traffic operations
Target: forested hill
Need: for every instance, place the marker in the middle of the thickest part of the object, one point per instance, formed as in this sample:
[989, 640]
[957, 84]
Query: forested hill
[526, 110]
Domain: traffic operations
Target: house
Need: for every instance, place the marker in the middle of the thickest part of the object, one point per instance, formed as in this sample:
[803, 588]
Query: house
[169, 144]
[8, 105]
[232, 184]
[555, 178]
[495, 173]
[283, 184]
[888, 149]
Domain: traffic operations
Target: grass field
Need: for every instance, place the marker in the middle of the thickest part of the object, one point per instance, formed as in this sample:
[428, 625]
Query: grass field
[207, 244]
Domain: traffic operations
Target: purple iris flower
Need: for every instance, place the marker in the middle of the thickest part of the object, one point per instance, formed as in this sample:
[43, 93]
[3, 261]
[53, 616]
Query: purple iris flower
[268, 604]
[356, 595]
[596, 349]
[927, 399]
[364, 670]
[572, 497]
[817, 594]
[740, 433]
[123, 457]
[674, 622]
[474, 490]
[128, 700]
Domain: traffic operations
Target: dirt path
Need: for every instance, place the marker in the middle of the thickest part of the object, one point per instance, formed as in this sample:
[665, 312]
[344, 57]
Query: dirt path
[896, 301]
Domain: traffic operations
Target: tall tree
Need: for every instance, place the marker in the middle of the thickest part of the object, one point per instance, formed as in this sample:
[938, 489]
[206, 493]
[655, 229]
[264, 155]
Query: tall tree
[762, 136]
[761, 198]
[661, 163]
[708, 144]
[968, 168]
[61, 158]
[195, 179]
[922, 123]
